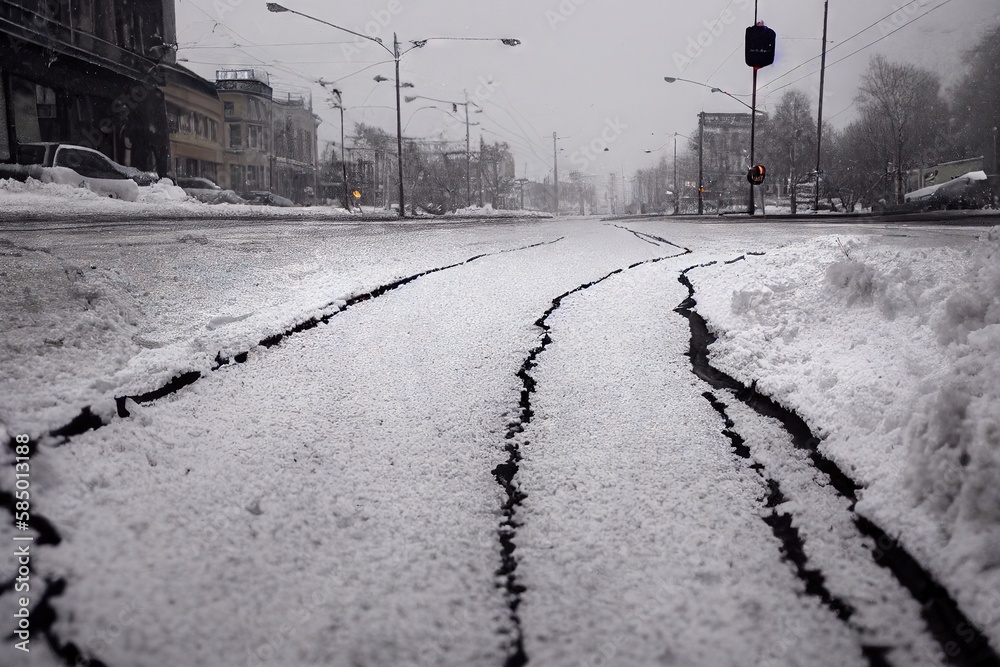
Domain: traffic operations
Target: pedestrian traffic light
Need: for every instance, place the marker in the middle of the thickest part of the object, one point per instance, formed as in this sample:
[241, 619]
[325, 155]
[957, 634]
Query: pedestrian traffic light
[759, 46]
[756, 174]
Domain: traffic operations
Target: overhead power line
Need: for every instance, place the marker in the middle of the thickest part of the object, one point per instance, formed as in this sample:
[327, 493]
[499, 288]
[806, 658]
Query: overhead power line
[855, 52]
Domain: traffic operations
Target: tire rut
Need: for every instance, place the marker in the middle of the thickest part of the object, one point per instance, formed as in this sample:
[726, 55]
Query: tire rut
[43, 616]
[506, 472]
[962, 644]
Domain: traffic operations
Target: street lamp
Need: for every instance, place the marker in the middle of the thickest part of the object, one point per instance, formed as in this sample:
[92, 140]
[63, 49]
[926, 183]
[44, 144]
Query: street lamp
[468, 147]
[396, 56]
[339, 104]
[672, 79]
[676, 190]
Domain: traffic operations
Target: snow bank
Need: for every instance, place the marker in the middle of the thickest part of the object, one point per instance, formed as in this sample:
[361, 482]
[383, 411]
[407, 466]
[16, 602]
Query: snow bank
[953, 436]
[892, 353]
[32, 186]
[488, 211]
[163, 190]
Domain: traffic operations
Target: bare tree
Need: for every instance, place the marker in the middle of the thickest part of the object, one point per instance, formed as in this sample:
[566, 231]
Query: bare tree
[976, 102]
[788, 140]
[903, 114]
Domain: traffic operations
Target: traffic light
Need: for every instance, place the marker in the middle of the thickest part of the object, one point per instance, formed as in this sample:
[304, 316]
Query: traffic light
[756, 174]
[759, 46]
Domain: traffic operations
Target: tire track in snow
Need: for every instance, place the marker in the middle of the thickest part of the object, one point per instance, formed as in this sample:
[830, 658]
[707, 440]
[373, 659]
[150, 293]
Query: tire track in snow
[507, 471]
[87, 420]
[961, 642]
[44, 615]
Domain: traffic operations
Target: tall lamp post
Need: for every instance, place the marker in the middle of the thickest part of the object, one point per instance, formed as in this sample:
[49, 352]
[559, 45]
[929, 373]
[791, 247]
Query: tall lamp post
[676, 189]
[339, 104]
[397, 55]
[468, 147]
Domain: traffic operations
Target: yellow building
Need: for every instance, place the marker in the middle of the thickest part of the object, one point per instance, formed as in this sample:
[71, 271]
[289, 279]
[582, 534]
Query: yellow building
[194, 116]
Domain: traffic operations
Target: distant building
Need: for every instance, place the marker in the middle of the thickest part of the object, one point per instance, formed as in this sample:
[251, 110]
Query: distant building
[87, 72]
[726, 157]
[246, 97]
[195, 123]
[295, 149]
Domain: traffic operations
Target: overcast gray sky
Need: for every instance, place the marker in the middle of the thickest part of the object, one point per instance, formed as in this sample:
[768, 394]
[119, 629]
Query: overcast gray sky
[590, 70]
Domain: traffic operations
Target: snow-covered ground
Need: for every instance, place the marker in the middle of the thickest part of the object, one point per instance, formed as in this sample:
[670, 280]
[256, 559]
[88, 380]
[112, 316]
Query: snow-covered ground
[893, 354]
[330, 501]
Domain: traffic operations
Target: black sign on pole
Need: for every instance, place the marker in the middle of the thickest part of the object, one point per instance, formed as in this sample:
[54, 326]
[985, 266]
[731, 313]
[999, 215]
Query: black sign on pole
[756, 174]
[759, 46]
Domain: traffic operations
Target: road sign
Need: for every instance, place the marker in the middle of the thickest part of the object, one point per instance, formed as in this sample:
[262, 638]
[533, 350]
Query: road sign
[756, 174]
[759, 46]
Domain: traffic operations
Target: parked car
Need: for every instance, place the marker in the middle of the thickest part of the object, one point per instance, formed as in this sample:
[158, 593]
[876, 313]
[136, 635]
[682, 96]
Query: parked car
[968, 191]
[77, 166]
[204, 190]
[268, 199]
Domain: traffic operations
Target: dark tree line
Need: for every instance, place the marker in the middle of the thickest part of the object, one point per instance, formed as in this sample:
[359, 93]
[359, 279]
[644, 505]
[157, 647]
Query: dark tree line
[906, 119]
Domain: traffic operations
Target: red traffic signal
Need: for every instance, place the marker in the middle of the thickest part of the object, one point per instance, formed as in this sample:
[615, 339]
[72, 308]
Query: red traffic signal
[756, 174]
[759, 46]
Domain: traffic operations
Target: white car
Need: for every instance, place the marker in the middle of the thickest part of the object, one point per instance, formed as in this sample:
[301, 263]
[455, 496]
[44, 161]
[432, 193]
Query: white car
[77, 166]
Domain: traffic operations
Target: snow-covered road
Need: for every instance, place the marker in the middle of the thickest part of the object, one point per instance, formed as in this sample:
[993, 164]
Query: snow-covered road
[350, 493]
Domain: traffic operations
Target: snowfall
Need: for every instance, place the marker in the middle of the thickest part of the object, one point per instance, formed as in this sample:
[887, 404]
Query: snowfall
[325, 490]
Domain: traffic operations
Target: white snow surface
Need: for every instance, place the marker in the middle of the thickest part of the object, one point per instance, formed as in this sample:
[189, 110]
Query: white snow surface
[893, 355]
[330, 501]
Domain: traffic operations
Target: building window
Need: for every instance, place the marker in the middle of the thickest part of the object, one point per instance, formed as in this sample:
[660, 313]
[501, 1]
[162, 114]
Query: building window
[214, 129]
[253, 139]
[236, 178]
[173, 115]
[236, 136]
[25, 106]
[45, 98]
[230, 109]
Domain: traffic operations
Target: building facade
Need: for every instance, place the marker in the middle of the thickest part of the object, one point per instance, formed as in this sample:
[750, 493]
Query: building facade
[87, 72]
[248, 116]
[726, 158]
[295, 149]
[195, 122]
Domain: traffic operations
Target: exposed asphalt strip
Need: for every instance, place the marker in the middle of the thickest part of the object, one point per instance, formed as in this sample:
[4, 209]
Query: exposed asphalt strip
[505, 472]
[961, 642]
[43, 616]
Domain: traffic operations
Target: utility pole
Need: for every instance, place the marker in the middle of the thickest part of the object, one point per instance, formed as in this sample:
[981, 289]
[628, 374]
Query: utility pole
[701, 162]
[555, 176]
[819, 111]
[676, 193]
[343, 162]
[481, 171]
[399, 127]
[468, 156]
